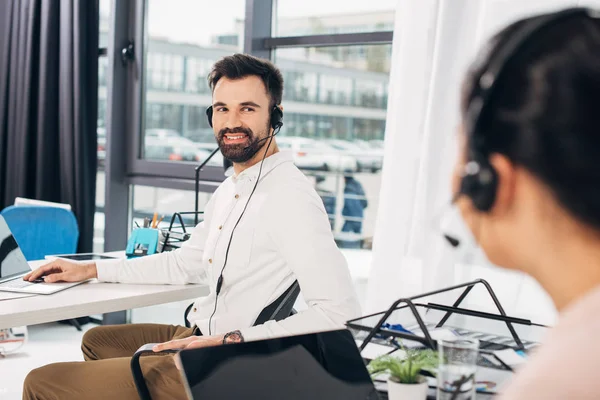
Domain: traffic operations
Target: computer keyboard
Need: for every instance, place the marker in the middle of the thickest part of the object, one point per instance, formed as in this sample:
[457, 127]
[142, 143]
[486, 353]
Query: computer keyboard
[16, 284]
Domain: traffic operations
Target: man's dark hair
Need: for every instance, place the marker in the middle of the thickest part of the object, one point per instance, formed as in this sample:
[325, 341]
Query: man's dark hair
[239, 66]
[544, 114]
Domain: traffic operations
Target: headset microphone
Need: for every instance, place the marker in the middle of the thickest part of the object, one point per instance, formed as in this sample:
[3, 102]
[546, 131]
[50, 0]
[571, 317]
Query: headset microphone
[452, 238]
[454, 242]
[261, 140]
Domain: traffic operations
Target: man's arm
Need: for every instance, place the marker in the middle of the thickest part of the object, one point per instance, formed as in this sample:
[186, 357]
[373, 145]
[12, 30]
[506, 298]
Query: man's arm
[180, 266]
[299, 227]
[176, 267]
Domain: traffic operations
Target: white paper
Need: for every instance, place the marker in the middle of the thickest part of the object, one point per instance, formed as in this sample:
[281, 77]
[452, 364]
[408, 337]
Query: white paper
[509, 357]
[436, 334]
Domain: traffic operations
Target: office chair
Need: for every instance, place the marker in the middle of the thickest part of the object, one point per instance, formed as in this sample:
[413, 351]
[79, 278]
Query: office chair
[42, 231]
[279, 309]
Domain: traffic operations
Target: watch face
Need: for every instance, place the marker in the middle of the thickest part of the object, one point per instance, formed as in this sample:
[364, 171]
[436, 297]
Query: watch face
[234, 337]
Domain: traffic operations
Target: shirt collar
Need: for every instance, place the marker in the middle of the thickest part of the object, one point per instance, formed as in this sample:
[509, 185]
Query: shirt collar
[269, 164]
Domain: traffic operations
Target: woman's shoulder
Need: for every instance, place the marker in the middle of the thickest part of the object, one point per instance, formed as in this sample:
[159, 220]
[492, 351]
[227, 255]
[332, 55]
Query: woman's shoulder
[565, 365]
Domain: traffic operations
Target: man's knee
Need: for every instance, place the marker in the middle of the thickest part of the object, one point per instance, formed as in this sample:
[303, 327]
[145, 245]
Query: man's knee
[36, 384]
[92, 339]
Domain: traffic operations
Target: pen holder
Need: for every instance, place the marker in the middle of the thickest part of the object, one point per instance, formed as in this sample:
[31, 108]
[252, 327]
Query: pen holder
[143, 242]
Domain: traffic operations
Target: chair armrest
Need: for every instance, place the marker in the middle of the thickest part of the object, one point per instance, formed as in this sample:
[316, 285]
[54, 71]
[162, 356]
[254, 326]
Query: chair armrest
[136, 369]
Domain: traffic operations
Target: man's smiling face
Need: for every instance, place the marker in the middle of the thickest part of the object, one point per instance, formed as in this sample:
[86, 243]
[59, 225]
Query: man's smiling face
[241, 112]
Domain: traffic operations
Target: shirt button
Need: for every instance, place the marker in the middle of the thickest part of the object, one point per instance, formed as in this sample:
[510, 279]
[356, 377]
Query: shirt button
[220, 227]
[210, 260]
[195, 309]
[237, 196]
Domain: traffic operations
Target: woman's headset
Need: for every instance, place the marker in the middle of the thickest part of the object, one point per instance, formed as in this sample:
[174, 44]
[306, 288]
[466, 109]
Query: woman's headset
[276, 118]
[479, 179]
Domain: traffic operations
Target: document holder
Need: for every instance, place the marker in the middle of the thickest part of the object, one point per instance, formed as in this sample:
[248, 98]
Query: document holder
[417, 322]
[178, 231]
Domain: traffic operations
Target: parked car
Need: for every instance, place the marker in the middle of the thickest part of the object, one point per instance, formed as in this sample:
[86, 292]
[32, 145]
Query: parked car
[167, 144]
[201, 135]
[367, 159]
[311, 154]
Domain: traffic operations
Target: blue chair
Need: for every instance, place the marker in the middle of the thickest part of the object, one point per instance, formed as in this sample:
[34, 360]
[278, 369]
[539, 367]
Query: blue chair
[42, 231]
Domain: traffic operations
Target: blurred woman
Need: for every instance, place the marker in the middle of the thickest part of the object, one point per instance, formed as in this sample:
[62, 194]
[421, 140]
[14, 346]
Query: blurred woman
[528, 183]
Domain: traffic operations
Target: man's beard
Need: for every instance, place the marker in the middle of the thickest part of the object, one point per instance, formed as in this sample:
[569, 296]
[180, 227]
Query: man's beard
[239, 152]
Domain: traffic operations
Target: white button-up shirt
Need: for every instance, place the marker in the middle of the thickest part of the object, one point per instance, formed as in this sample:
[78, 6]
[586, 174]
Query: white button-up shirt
[283, 236]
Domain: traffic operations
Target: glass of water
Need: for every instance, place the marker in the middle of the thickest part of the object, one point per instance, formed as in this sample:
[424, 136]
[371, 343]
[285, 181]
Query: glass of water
[456, 371]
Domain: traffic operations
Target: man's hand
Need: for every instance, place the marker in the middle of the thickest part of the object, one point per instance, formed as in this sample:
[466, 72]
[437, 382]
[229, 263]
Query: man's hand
[191, 342]
[63, 271]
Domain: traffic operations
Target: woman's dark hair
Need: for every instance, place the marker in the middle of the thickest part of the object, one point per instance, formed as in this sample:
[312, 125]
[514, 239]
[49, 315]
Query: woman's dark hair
[239, 66]
[544, 112]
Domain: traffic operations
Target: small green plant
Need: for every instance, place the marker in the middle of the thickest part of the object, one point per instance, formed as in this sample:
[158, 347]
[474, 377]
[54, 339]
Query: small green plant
[405, 370]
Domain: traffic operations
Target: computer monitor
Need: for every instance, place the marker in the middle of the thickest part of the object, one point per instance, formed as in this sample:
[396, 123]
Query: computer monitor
[316, 366]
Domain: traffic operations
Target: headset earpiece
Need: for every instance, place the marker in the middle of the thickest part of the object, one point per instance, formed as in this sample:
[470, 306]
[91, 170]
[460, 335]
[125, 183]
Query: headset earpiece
[209, 114]
[479, 182]
[276, 118]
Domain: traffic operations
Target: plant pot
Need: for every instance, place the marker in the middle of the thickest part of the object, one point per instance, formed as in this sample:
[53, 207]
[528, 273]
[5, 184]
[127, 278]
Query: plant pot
[407, 391]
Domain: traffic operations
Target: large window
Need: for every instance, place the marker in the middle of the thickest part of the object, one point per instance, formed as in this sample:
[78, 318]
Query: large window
[335, 108]
[318, 17]
[335, 57]
[185, 37]
[300, 86]
[164, 71]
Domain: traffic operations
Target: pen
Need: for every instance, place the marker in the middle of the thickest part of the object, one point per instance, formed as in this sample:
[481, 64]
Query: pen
[159, 221]
[154, 220]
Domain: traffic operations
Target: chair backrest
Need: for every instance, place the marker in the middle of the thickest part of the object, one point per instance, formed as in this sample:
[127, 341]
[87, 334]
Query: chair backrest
[42, 231]
[22, 201]
[279, 309]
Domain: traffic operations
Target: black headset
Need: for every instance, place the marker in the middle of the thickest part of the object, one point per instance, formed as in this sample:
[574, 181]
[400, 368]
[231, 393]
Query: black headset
[479, 179]
[276, 118]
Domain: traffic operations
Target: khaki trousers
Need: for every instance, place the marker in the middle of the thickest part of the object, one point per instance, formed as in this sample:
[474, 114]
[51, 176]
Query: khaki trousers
[106, 374]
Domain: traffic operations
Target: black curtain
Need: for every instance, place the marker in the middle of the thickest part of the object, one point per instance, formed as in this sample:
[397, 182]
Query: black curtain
[49, 105]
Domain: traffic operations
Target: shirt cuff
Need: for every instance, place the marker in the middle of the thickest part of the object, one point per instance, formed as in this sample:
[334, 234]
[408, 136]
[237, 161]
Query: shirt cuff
[255, 333]
[108, 270]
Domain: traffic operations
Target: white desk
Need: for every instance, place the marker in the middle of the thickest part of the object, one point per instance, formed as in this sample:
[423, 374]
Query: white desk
[99, 298]
[91, 298]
